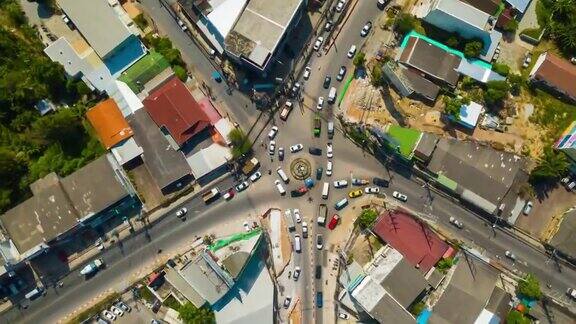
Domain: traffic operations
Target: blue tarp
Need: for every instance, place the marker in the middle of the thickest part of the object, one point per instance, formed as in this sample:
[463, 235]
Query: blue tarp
[424, 316]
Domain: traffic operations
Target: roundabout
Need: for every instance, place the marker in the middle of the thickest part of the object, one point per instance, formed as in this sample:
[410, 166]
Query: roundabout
[300, 168]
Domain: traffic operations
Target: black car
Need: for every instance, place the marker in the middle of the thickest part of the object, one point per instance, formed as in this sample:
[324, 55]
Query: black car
[314, 151]
[297, 193]
[318, 272]
[319, 172]
[281, 154]
[381, 182]
[327, 81]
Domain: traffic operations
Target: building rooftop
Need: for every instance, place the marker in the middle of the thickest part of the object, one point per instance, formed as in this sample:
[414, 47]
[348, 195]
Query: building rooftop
[464, 12]
[425, 146]
[565, 238]
[520, 5]
[109, 123]
[488, 6]
[260, 28]
[487, 172]
[405, 283]
[468, 292]
[419, 245]
[469, 114]
[166, 165]
[204, 278]
[420, 84]
[97, 22]
[556, 72]
[172, 107]
[208, 159]
[431, 60]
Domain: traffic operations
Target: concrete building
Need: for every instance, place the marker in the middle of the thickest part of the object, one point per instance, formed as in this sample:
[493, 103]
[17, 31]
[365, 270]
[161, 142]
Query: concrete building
[456, 16]
[61, 206]
[555, 74]
[409, 83]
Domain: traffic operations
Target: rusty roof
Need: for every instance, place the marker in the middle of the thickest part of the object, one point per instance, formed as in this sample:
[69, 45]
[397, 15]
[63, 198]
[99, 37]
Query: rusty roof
[558, 73]
[109, 123]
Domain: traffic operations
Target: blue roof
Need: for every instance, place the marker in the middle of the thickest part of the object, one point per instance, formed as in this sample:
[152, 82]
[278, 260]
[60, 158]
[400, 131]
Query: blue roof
[520, 5]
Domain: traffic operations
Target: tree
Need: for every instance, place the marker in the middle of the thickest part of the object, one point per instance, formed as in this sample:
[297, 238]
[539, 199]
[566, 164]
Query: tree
[516, 82]
[367, 218]
[515, 317]
[473, 48]
[453, 41]
[453, 105]
[180, 72]
[190, 314]
[511, 26]
[551, 165]
[62, 127]
[565, 36]
[501, 69]
[445, 264]
[529, 287]
[11, 168]
[359, 59]
[406, 23]
[240, 142]
[377, 78]
[496, 92]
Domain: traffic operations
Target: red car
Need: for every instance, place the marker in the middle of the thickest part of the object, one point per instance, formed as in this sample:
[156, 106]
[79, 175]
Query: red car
[334, 221]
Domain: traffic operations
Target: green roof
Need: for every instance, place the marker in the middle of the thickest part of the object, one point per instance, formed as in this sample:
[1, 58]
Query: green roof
[406, 139]
[149, 66]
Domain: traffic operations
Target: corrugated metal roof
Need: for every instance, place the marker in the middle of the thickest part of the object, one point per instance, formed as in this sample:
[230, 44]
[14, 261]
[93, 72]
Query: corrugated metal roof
[109, 123]
[520, 5]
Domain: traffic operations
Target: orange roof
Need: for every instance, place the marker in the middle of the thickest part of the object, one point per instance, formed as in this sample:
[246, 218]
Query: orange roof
[109, 123]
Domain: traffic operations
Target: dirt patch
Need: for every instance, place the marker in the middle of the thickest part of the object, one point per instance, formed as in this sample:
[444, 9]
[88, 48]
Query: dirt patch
[296, 313]
[147, 189]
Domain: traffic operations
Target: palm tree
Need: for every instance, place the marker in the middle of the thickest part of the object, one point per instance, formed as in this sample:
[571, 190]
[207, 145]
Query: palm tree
[551, 165]
[240, 142]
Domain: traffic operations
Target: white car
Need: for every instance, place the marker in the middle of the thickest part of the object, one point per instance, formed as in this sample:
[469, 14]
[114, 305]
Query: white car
[319, 242]
[400, 196]
[108, 315]
[242, 186]
[296, 273]
[320, 103]
[340, 184]
[340, 5]
[273, 132]
[255, 176]
[456, 222]
[571, 292]
[510, 255]
[279, 186]
[351, 51]
[246, 226]
[182, 25]
[287, 301]
[329, 150]
[304, 229]
[272, 147]
[343, 315]
[371, 190]
[329, 168]
[318, 43]
[297, 216]
[528, 208]
[366, 29]
[116, 311]
[181, 212]
[307, 71]
[296, 148]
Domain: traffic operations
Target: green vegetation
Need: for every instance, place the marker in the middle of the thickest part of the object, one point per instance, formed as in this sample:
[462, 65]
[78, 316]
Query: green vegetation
[516, 317]
[496, 92]
[172, 303]
[406, 22]
[445, 264]
[359, 59]
[367, 218]
[516, 82]
[377, 77]
[240, 143]
[406, 139]
[559, 18]
[453, 41]
[96, 309]
[501, 69]
[552, 114]
[532, 32]
[191, 314]
[511, 26]
[144, 70]
[145, 293]
[163, 45]
[31, 145]
[551, 165]
[529, 287]
[417, 308]
[141, 21]
[473, 48]
[454, 104]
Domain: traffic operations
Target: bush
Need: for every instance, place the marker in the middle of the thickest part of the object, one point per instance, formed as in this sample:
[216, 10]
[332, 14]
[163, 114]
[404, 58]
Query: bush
[445, 264]
[377, 78]
[406, 23]
[473, 48]
[180, 72]
[453, 42]
[529, 287]
[501, 69]
[515, 317]
[359, 59]
[367, 218]
[141, 21]
[511, 26]
[453, 105]
[532, 32]
[496, 92]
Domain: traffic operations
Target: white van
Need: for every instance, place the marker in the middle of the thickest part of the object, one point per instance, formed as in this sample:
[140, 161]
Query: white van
[325, 190]
[330, 129]
[341, 204]
[279, 187]
[332, 95]
[34, 293]
[283, 175]
[297, 243]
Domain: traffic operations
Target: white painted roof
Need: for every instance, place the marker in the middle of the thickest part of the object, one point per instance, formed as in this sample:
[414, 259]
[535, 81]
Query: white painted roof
[224, 16]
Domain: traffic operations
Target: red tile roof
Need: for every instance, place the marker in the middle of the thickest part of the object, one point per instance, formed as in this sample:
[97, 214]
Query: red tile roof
[173, 107]
[419, 245]
[558, 73]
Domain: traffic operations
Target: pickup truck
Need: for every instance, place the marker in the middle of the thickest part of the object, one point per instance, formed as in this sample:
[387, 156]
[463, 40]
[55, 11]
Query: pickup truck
[286, 110]
[92, 267]
[322, 213]
[211, 195]
[317, 126]
[250, 166]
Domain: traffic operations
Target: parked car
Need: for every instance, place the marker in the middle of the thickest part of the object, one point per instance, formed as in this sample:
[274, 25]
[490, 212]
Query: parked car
[319, 241]
[287, 301]
[351, 51]
[328, 26]
[381, 4]
[108, 315]
[319, 299]
[571, 292]
[400, 196]
[246, 226]
[355, 193]
[120, 304]
[272, 147]
[242, 186]
[366, 29]
[314, 151]
[341, 73]
[116, 311]
[528, 208]
[510, 255]
[456, 222]
[318, 272]
[318, 43]
[296, 273]
[307, 72]
[319, 173]
[281, 154]
[333, 221]
[229, 194]
[320, 103]
[297, 215]
[329, 168]
[343, 316]
[304, 230]
[340, 184]
[329, 150]
[359, 182]
[181, 212]
[182, 25]
[272, 133]
[296, 148]
[381, 182]
[327, 81]
[371, 190]
[257, 175]
[340, 5]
